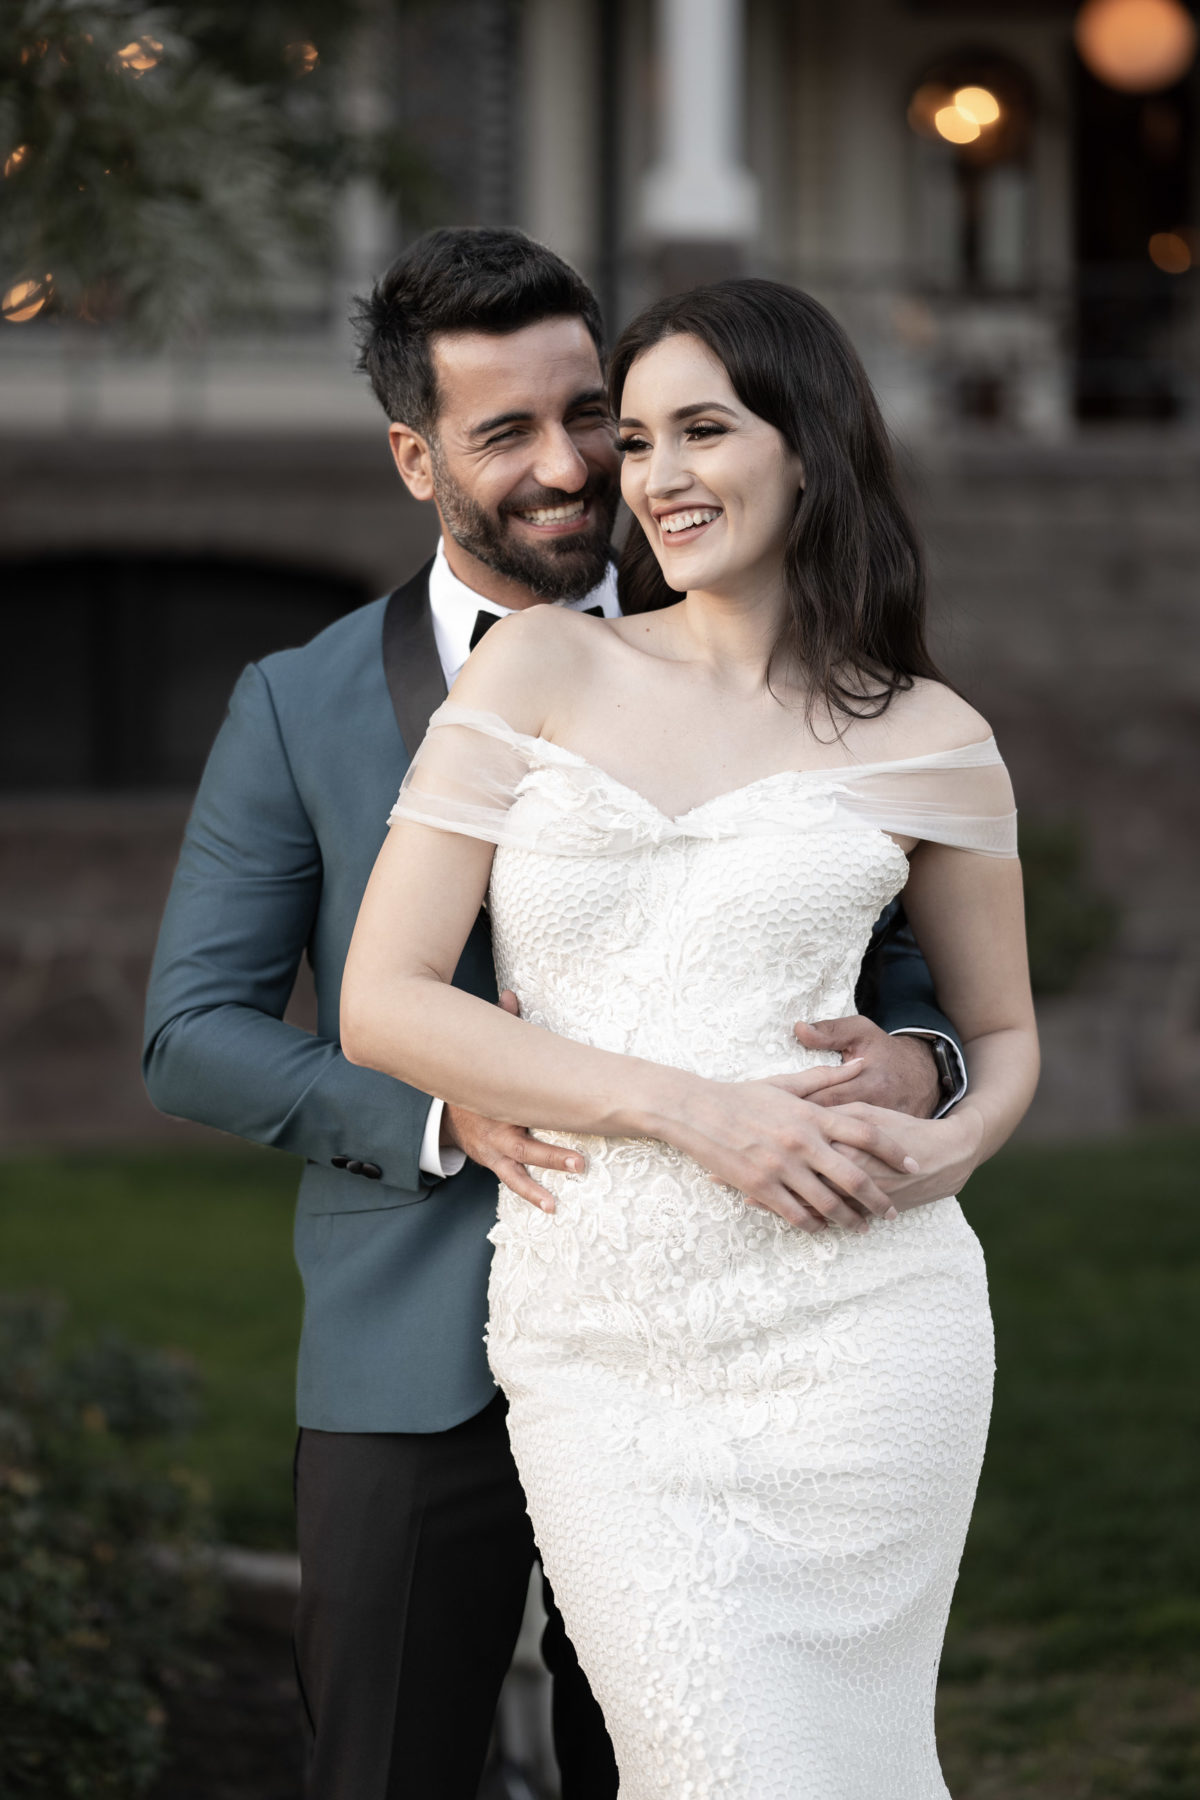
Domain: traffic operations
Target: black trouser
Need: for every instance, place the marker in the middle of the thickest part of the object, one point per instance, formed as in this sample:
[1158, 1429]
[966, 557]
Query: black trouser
[415, 1552]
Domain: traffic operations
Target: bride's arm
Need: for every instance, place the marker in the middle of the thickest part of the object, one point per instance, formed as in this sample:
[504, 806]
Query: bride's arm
[967, 913]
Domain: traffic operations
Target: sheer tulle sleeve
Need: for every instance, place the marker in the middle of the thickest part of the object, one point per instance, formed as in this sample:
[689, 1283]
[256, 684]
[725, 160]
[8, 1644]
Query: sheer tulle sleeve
[465, 775]
[473, 769]
[963, 798]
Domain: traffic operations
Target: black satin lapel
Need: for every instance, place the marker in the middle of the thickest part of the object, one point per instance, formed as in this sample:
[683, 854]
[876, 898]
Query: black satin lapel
[410, 660]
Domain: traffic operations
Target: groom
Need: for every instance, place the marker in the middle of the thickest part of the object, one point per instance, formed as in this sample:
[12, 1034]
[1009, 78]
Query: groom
[484, 350]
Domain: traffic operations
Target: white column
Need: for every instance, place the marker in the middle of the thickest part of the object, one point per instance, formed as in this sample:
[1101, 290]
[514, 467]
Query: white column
[700, 190]
[559, 119]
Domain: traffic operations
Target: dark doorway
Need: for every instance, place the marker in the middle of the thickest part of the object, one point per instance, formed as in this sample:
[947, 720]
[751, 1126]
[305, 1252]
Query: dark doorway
[1133, 182]
[116, 671]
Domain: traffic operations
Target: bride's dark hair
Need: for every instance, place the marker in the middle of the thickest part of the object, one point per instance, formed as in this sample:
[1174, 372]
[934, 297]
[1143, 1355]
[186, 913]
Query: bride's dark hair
[852, 566]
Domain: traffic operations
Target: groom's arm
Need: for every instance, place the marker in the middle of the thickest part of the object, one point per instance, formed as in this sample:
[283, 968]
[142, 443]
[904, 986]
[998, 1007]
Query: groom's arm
[911, 1054]
[240, 913]
[902, 1001]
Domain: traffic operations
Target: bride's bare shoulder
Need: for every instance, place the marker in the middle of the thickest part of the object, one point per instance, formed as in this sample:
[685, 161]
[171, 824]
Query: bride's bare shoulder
[928, 717]
[526, 661]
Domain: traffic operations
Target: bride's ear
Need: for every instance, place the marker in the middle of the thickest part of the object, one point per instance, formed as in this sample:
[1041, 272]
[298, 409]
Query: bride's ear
[412, 457]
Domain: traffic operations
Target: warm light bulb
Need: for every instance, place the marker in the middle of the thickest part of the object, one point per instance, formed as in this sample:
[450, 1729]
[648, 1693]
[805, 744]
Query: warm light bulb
[955, 126]
[15, 158]
[24, 300]
[301, 59]
[977, 104]
[1138, 46]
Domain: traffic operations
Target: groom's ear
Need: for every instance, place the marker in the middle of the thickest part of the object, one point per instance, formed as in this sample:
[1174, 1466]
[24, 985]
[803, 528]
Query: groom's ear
[412, 456]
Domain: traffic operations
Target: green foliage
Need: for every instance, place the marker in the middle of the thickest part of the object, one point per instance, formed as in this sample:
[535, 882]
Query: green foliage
[1067, 922]
[190, 1249]
[194, 189]
[102, 1577]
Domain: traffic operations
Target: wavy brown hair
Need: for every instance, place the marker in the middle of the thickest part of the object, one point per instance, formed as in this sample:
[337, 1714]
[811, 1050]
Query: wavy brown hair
[852, 566]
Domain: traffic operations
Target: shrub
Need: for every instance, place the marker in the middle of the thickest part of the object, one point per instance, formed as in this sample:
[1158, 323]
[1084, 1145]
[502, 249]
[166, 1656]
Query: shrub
[104, 1579]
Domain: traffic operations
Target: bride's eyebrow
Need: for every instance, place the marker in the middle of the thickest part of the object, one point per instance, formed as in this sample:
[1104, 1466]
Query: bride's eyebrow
[684, 412]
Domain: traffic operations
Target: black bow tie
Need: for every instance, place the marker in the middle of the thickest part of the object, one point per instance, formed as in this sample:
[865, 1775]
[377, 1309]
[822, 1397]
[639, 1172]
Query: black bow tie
[485, 620]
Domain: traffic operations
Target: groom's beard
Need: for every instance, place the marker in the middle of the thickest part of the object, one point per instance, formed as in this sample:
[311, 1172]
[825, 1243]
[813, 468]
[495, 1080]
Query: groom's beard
[565, 568]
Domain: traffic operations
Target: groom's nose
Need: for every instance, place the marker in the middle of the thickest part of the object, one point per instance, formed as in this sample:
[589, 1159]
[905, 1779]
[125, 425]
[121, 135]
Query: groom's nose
[558, 462]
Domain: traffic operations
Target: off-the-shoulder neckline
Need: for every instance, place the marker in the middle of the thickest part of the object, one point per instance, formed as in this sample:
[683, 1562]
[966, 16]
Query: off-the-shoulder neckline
[495, 726]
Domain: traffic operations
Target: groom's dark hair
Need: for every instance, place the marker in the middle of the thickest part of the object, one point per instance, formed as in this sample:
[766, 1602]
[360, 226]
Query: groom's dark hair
[458, 278]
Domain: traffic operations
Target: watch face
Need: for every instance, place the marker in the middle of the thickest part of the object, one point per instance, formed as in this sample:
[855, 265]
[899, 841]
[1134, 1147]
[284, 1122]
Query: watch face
[947, 1074]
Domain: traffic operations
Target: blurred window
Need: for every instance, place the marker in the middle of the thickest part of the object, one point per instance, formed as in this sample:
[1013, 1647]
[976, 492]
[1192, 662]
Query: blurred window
[117, 671]
[1137, 247]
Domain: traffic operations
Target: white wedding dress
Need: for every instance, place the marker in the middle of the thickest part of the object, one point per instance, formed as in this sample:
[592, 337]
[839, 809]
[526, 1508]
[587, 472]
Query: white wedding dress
[749, 1454]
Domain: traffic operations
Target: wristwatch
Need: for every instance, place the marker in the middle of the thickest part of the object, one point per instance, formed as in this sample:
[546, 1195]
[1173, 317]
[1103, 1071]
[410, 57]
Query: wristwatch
[949, 1076]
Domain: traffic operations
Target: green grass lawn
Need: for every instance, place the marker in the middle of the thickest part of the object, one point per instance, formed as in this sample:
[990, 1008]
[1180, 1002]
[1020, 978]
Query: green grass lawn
[1074, 1650]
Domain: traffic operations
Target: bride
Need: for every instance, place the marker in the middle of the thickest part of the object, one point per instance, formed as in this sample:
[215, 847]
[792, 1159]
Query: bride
[749, 1414]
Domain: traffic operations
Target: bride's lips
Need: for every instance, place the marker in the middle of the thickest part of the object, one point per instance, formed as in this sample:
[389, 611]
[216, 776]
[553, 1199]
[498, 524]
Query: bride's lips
[555, 521]
[704, 516]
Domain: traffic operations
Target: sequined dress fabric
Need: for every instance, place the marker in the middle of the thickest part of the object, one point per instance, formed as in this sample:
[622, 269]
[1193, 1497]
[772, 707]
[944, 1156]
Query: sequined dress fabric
[749, 1454]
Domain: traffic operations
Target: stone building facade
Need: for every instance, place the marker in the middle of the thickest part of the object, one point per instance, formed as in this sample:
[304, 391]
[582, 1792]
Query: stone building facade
[164, 520]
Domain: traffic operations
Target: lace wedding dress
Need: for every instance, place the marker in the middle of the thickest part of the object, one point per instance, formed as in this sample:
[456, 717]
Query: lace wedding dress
[749, 1454]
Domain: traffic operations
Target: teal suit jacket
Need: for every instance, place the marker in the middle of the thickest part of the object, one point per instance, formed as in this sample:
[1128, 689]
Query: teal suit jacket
[288, 820]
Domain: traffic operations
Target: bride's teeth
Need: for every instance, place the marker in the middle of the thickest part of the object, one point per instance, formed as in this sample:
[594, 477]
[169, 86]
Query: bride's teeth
[551, 515]
[685, 521]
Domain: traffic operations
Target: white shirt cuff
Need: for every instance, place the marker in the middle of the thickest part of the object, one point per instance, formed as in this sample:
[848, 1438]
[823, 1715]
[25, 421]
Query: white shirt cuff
[438, 1160]
[956, 1058]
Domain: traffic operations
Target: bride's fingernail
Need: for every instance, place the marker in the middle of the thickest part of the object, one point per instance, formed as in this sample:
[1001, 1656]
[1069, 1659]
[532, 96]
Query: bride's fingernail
[912, 1165]
[546, 1205]
[891, 1213]
[574, 1163]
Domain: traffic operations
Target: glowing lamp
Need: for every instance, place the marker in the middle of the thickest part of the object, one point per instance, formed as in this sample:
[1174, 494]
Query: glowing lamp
[1138, 46]
[15, 158]
[301, 59]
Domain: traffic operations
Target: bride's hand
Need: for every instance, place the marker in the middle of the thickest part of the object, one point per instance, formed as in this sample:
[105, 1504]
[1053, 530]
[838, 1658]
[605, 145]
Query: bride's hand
[946, 1149]
[781, 1151]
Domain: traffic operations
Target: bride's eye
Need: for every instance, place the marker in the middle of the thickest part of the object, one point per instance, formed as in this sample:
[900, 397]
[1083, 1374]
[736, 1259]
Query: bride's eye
[706, 431]
[629, 446]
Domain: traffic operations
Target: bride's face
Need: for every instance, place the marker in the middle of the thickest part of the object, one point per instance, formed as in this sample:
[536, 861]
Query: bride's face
[712, 485]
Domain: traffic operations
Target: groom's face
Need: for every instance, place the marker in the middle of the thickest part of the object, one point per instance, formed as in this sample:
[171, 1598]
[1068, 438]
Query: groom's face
[521, 462]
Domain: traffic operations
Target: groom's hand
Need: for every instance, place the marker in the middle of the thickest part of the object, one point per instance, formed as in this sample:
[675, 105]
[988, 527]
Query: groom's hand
[896, 1072]
[509, 1151]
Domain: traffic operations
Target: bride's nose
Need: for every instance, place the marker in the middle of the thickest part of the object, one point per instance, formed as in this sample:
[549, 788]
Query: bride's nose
[667, 474]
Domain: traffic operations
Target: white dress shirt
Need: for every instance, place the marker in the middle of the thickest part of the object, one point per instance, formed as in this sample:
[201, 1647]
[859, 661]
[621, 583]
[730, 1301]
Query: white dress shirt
[455, 608]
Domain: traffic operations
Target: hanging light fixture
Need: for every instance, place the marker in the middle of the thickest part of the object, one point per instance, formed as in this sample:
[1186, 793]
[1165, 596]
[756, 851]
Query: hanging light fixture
[1138, 46]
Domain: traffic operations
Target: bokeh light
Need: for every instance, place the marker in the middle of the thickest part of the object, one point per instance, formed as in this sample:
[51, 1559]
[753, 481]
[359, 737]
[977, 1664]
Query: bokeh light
[955, 126]
[15, 158]
[24, 300]
[1170, 252]
[1138, 46]
[141, 54]
[978, 103]
[301, 59]
[957, 115]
